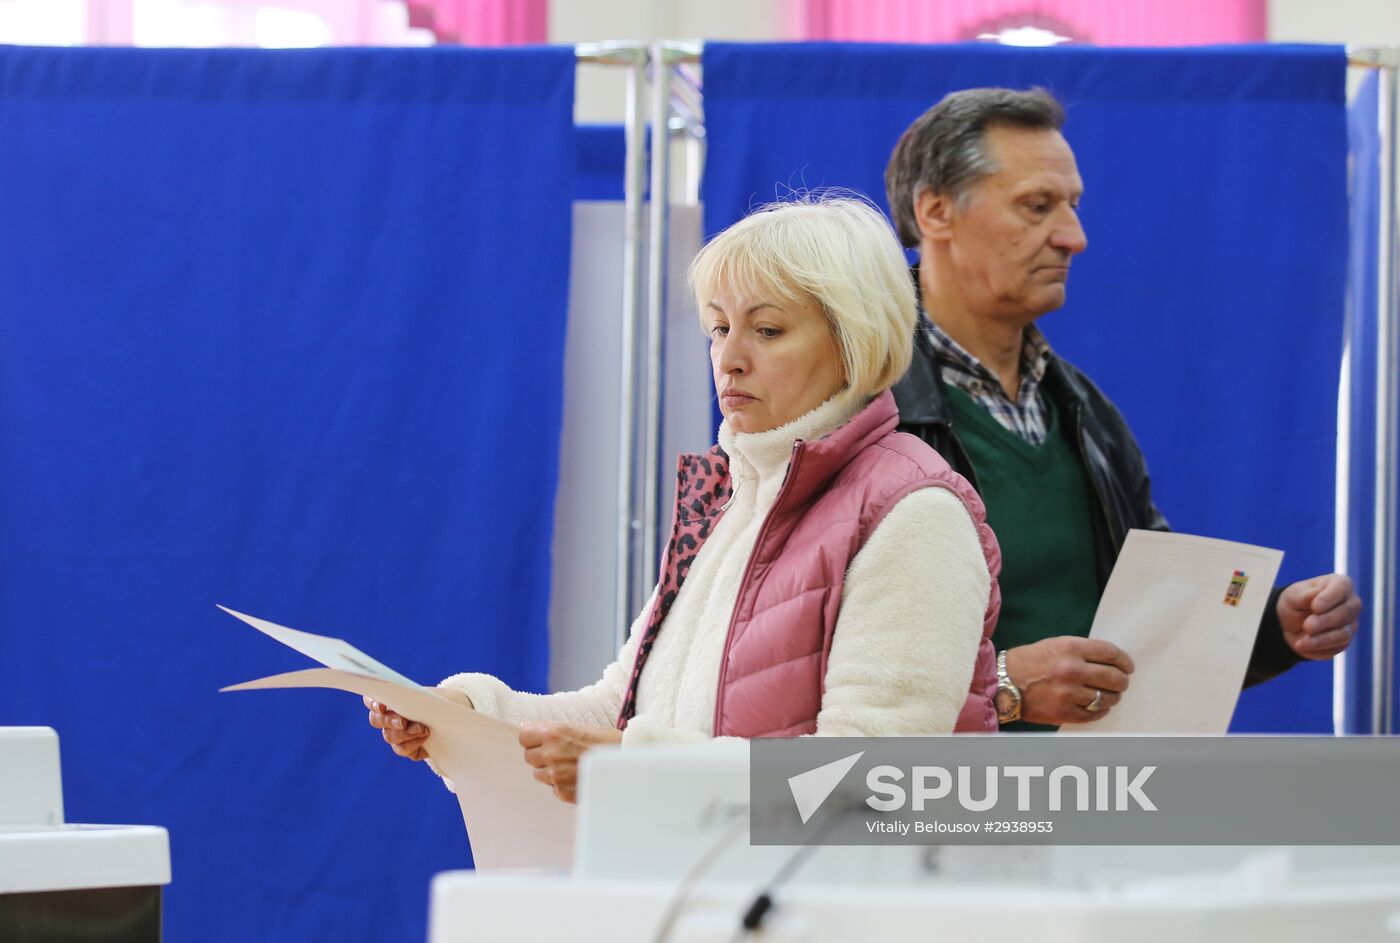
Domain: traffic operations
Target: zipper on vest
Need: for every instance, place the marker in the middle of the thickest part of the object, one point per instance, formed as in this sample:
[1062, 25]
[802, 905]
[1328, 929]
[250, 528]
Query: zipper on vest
[744, 580]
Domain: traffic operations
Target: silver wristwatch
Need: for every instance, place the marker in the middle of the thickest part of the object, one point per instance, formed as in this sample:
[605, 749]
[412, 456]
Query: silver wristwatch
[1008, 696]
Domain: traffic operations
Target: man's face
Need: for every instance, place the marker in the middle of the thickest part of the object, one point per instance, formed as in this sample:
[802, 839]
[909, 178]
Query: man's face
[1011, 237]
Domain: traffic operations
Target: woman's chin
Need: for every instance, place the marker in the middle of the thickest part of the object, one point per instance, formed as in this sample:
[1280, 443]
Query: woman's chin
[741, 420]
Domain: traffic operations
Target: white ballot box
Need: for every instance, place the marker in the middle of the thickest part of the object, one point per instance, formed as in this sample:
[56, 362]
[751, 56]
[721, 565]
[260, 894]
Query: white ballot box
[662, 853]
[653, 812]
[497, 907]
[60, 882]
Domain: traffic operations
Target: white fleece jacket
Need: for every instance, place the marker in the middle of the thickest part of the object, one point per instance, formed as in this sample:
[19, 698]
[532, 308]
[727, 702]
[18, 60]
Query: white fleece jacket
[905, 640]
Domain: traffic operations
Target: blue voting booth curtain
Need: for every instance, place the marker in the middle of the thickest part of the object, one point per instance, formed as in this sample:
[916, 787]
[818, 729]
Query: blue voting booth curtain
[602, 162]
[1209, 303]
[282, 331]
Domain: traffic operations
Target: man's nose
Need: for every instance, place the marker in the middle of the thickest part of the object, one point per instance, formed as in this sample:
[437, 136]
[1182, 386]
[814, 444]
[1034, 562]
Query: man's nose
[1069, 233]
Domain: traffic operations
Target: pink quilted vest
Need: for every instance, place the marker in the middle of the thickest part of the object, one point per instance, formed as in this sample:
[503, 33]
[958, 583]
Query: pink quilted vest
[836, 492]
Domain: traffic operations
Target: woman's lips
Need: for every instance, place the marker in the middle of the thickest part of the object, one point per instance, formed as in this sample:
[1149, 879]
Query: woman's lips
[733, 398]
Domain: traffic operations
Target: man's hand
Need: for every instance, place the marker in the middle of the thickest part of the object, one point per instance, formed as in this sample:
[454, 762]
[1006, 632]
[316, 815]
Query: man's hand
[1059, 677]
[553, 750]
[1319, 615]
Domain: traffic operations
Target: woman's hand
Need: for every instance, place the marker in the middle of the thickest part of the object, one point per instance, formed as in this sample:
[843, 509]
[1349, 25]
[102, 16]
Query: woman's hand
[405, 737]
[553, 750]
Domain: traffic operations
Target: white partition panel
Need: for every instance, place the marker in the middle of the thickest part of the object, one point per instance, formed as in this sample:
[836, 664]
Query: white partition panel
[582, 617]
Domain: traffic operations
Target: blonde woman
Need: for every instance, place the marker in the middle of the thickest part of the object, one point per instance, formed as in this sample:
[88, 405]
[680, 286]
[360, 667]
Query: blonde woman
[825, 574]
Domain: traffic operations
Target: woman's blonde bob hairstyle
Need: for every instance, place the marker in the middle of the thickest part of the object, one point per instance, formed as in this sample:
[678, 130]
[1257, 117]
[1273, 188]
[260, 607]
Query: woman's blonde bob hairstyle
[833, 249]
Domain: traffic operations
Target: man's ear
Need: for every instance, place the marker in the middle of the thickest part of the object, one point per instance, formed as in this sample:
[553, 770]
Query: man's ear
[934, 214]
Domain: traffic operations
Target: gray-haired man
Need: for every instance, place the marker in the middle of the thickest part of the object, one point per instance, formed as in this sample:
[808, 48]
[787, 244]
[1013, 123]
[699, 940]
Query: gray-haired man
[986, 188]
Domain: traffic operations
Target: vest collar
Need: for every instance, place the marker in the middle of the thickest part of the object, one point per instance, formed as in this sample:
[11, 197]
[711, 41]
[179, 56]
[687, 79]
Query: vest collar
[762, 457]
[704, 485]
[814, 464]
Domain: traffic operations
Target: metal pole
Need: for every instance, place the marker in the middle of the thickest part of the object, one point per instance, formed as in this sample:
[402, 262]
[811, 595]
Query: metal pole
[658, 220]
[637, 520]
[684, 50]
[687, 100]
[1387, 389]
[634, 184]
[1374, 57]
[609, 53]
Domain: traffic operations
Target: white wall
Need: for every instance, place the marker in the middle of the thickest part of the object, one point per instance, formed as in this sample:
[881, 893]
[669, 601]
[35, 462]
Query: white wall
[1355, 22]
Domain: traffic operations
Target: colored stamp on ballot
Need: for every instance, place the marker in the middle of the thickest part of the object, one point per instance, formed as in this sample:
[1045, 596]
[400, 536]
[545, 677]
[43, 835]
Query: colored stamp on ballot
[1236, 590]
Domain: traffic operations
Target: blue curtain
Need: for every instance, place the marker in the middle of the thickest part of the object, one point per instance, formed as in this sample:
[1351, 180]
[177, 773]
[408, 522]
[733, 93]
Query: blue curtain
[602, 162]
[283, 331]
[1209, 305]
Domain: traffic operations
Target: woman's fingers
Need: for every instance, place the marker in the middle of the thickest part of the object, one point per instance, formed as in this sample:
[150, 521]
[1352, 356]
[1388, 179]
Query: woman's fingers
[405, 745]
[407, 738]
[381, 718]
[412, 731]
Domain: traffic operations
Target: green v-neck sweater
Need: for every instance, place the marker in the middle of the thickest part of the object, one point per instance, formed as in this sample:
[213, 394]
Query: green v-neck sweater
[1040, 505]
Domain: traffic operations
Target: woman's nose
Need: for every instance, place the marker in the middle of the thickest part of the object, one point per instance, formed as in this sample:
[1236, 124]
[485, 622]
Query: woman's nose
[732, 356]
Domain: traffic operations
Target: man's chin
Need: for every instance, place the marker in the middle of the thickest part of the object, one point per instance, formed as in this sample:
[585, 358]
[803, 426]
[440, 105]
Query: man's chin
[1047, 300]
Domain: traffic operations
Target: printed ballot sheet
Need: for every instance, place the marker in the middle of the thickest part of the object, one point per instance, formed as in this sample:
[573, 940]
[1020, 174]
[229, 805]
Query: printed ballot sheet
[1187, 610]
[512, 820]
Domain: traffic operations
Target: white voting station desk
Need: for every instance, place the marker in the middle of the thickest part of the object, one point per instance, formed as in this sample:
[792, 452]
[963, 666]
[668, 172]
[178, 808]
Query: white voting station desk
[648, 816]
[61, 883]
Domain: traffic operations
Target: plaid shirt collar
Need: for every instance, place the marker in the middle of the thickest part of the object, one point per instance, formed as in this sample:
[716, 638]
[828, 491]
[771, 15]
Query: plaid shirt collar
[1024, 416]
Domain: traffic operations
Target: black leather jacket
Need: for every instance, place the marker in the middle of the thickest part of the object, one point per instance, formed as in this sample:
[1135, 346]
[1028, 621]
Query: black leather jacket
[1110, 454]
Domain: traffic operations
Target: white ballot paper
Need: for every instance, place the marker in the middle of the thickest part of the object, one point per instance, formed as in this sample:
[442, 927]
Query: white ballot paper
[1187, 610]
[512, 820]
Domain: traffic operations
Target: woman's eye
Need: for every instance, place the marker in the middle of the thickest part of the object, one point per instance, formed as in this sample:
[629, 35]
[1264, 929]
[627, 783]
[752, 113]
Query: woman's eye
[769, 331]
[719, 330]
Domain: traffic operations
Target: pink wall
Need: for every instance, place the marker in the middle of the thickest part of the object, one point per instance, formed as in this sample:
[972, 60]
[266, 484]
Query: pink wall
[483, 22]
[1105, 22]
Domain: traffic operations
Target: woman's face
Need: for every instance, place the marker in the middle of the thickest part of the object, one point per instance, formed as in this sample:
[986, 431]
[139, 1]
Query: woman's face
[773, 360]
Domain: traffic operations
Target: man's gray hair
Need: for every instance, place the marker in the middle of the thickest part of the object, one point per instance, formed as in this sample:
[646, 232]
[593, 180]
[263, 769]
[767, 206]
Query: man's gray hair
[945, 149]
